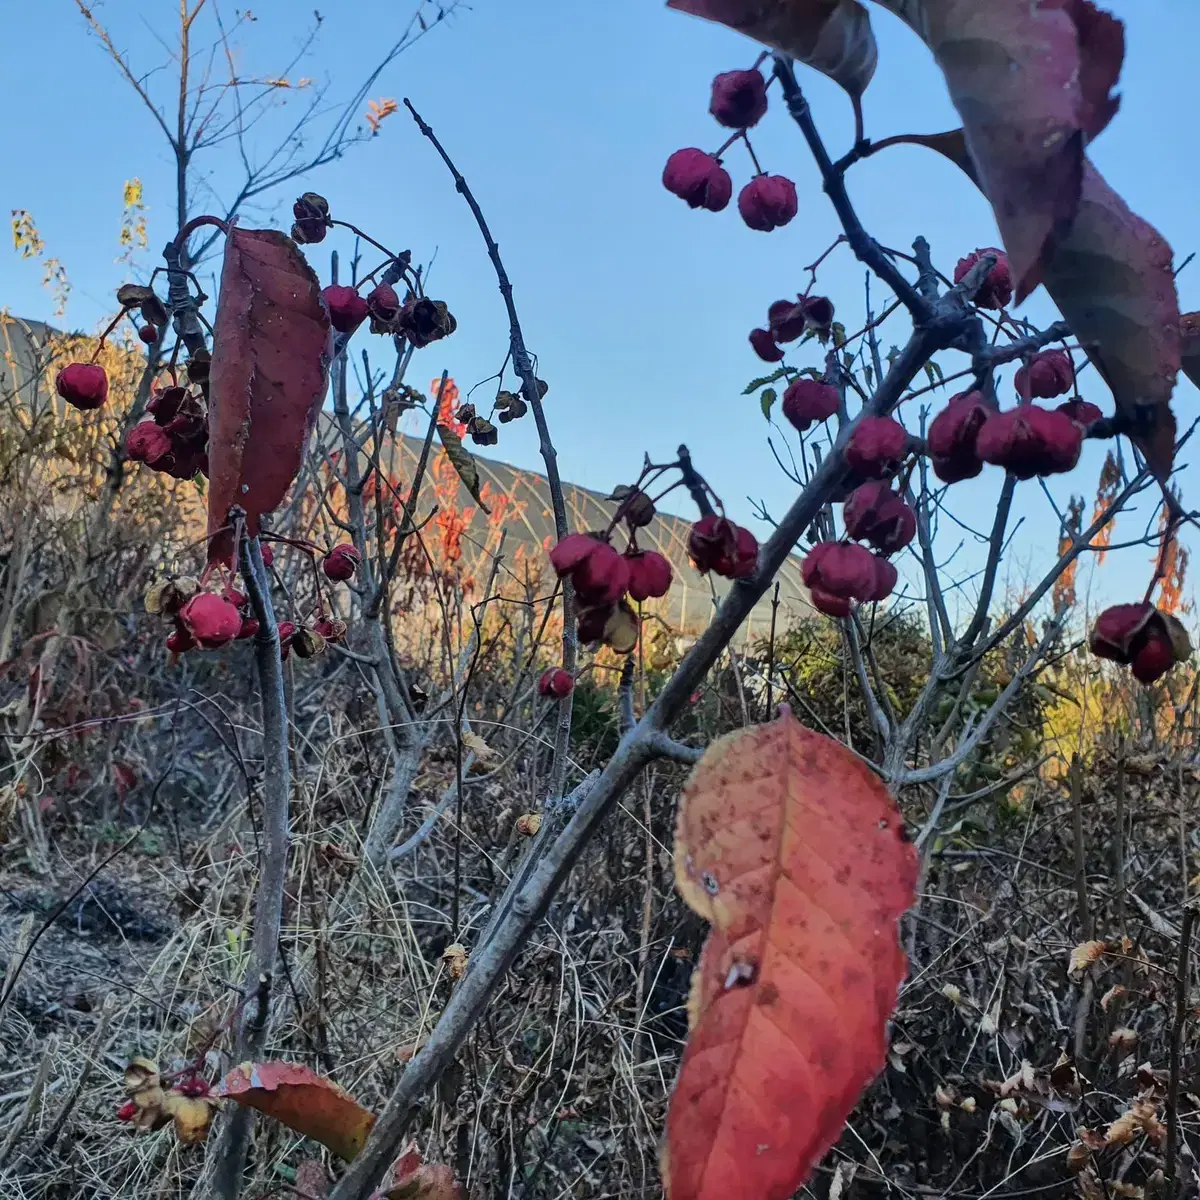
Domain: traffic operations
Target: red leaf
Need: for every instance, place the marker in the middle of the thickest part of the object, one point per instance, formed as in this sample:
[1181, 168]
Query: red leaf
[1032, 83]
[412, 1179]
[1112, 279]
[302, 1100]
[794, 850]
[832, 36]
[271, 351]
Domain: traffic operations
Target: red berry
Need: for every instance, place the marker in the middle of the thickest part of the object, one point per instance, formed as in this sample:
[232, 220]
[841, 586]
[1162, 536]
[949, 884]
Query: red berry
[886, 577]
[556, 683]
[211, 619]
[790, 319]
[268, 555]
[698, 178]
[874, 513]
[1050, 373]
[195, 1086]
[149, 443]
[717, 544]
[829, 604]
[127, 1111]
[84, 385]
[249, 628]
[165, 405]
[952, 436]
[997, 287]
[179, 641]
[840, 569]
[383, 304]
[764, 345]
[807, 401]
[1029, 441]
[148, 334]
[1082, 412]
[1153, 660]
[768, 202]
[287, 630]
[347, 309]
[591, 623]
[877, 447]
[341, 562]
[331, 629]
[602, 578]
[649, 574]
[1117, 628]
[571, 551]
[739, 99]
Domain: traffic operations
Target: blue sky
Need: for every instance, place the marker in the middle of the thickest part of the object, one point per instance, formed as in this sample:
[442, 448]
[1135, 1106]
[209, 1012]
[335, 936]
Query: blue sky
[561, 115]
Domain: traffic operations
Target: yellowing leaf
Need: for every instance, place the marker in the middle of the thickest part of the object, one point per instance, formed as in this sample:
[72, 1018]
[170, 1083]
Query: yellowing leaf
[796, 853]
[477, 746]
[1141, 1118]
[461, 460]
[1084, 955]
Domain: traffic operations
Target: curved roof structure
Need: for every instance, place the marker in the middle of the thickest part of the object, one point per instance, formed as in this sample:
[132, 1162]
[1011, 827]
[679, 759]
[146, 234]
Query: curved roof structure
[690, 602]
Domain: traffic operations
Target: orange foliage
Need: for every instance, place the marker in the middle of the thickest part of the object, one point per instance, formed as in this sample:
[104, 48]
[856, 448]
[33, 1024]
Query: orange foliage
[1106, 492]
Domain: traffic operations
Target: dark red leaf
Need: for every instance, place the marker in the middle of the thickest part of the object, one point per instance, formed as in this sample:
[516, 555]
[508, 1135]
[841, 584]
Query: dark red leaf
[832, 36]
[271, 352]
[1032, 83]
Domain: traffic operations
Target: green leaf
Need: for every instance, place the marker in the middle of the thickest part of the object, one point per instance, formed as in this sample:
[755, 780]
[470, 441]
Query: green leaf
[767, 401]
[755, 384]
[933, 373]
[839, 334]
[460, 458]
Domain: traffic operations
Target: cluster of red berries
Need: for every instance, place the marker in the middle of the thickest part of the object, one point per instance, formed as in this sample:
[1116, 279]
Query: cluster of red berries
[175, 439]
[1029, 441]
[788, 320]
[418, 319]
[212, 619]
[739, 101]
[1145, 639]
[605, 581]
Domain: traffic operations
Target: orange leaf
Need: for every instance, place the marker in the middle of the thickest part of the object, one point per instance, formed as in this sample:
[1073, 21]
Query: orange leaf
[832, 36]
[268, 377]
[796, 853]
[302, 1100]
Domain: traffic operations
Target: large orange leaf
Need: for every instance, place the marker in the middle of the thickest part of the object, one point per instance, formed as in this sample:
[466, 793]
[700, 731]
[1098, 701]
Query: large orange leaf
[270, 359]
[1033, 83]
[796, 853]
[302, 1100]
[833, 36]
[1111, 275]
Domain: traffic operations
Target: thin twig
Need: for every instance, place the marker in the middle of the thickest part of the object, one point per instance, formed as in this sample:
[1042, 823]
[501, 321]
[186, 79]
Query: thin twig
[1181, 1013]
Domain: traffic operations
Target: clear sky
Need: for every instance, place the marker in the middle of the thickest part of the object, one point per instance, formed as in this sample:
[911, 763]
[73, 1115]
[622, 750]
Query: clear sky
[561, 115]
